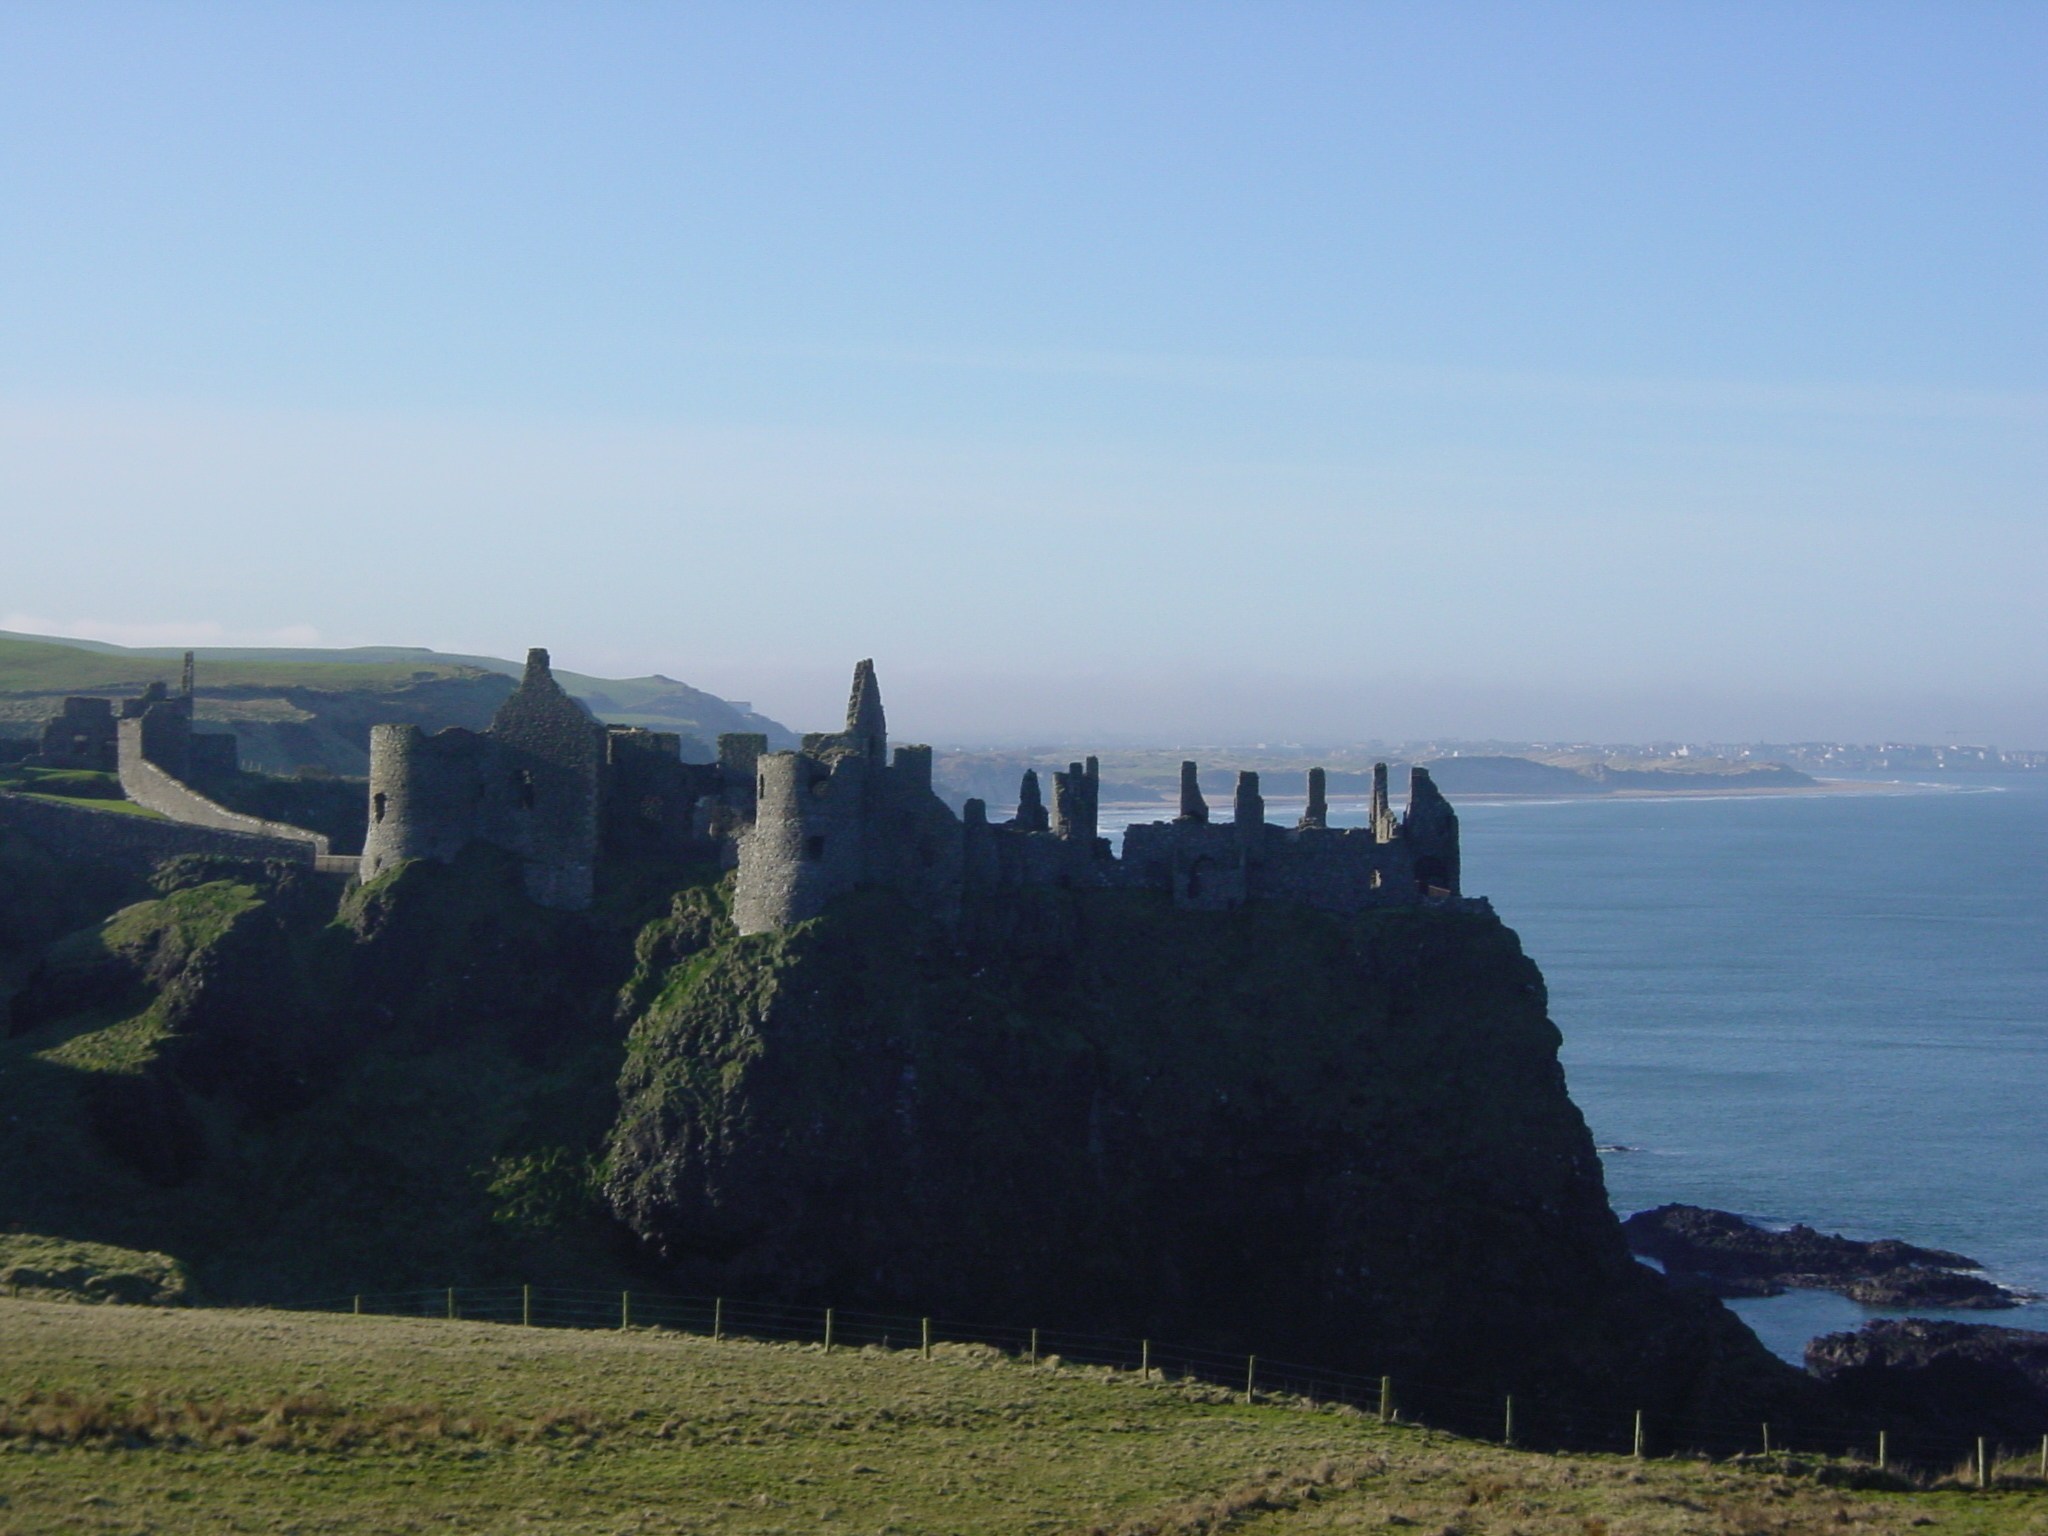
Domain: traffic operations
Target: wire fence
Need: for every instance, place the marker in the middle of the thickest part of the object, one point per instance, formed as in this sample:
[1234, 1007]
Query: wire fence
[1534, 1421]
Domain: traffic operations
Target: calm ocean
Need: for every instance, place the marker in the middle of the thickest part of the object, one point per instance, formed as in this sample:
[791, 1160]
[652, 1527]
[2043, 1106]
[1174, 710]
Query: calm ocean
[1828, 1007]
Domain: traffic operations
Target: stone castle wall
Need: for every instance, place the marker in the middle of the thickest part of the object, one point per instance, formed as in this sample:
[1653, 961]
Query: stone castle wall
[155, 789]
[82, 736]
[550, 785]
[832, 818]
[535, 784]
[77, 831]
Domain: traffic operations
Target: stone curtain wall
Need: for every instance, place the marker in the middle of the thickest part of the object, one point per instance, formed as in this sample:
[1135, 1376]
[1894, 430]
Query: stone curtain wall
[68, 831]
[153, 789]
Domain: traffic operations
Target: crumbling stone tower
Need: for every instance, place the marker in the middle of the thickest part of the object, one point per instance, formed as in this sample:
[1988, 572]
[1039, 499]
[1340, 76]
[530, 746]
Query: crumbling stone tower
[840, 813]
[83, 736]
[529, 785]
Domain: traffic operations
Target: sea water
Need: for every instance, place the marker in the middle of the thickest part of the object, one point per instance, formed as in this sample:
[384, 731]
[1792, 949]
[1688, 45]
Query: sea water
[1827, 1006]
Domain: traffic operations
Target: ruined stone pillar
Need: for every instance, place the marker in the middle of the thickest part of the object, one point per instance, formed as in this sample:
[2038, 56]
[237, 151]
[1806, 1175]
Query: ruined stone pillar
[1192, 806]
[1073, 803]
[1031, 815]
[1248, 805]
[1318, 812]
[1381, 818]
[1248, 809]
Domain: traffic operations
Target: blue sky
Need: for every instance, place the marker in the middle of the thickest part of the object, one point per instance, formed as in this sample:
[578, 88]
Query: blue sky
[1180, 372]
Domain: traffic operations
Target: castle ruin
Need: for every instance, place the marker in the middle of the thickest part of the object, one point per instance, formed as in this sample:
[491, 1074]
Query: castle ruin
[551, 786]
[560, 791]
[165, 765]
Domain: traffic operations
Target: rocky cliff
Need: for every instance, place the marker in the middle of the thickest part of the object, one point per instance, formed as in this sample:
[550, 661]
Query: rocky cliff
[1336, 1139]
[1343, 1140]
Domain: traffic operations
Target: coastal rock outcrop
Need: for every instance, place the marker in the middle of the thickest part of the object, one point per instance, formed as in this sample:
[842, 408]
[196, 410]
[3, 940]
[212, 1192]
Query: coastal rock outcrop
[1721, 1252]
[1939, 1377]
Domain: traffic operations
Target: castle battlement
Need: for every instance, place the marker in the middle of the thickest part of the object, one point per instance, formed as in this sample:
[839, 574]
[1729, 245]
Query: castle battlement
[834, 817]
[846, 811]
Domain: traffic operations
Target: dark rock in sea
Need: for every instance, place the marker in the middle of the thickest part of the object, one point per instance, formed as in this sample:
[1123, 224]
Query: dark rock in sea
[1733, 1257]
[1939, 1379]
[1915, 1287]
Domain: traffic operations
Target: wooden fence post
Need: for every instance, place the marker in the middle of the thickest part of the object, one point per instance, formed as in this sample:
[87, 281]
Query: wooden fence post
[1767, 1439]
[526, 1306]
[828, 1330]
[1983, 1466]
[625, 1310]
[1884, 1450]
[1639, 1435]
[927, 1338]
[359, 1306]
[1251, 1374]
[2044, 1458]
[451, 1301]
[1145, 1359]
[1507, 1427]
[718, 1317]
[1034, 1359]
[1386, 1399]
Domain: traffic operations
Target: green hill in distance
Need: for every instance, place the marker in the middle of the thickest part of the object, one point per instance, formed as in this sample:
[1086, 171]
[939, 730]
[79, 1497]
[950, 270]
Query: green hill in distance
[304, 707]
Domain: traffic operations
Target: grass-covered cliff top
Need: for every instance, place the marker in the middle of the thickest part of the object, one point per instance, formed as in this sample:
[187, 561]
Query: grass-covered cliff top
[130, 1418]
[51, 668]
[233, 682]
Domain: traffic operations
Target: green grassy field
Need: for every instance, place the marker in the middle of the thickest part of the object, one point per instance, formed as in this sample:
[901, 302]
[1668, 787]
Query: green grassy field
[117, 807]
[71, 786]
[138, 1419]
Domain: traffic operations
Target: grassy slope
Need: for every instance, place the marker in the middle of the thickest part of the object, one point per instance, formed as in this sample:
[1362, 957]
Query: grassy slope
[39, 666]
[405, 1425]
[286, 713]
[29, 666]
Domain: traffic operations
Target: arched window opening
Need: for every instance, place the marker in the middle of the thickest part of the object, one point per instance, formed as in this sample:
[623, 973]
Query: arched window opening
[377, 806]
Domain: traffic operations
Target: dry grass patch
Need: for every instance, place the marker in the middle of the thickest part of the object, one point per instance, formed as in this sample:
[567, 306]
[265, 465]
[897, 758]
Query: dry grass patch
[309, 1421]
[193, 1422]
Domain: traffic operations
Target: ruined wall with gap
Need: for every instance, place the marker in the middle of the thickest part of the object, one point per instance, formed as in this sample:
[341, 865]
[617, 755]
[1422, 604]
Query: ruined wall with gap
[149, 786]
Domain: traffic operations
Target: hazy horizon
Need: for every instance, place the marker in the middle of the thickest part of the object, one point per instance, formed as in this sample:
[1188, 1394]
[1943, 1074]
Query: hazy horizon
[1118, 373]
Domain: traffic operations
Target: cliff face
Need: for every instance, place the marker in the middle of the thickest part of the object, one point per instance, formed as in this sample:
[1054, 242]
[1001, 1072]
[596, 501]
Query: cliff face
[1344, 1140]
[299, 1092]
[1339, 1140]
